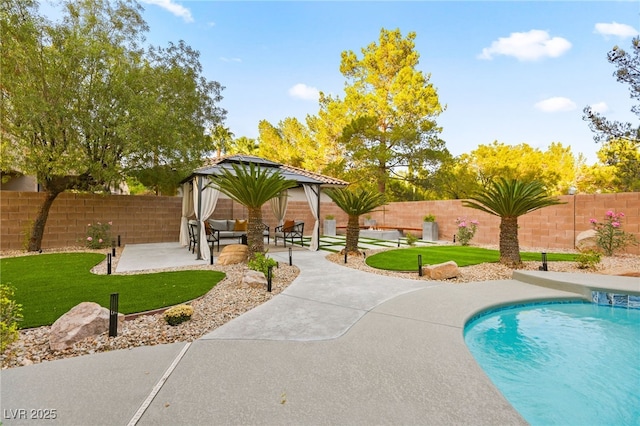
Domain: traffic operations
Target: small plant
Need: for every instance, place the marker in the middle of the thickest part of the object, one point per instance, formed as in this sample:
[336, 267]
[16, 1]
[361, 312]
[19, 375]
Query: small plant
[411, 239]
[329, 217]
[178, 314]
[429, 218]
[609, 234]
[99, 235]
[466, 230]
[260, 262]
[588, 259]
[10, 314]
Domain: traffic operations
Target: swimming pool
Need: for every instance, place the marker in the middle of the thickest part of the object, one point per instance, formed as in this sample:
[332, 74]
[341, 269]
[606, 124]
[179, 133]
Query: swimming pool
[562, 363]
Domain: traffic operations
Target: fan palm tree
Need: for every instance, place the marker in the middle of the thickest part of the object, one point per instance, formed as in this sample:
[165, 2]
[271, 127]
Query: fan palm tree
[355, 204]
[509, 199]
[252, 186]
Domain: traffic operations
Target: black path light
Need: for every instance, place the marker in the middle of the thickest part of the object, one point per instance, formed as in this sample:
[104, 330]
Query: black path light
[345, 255]
[544, 266]
[420, 265]
[113, 315]
[118, 240]
[113, 248]
[290, 257]
[269, 278]
[108, 263]
[398, 242]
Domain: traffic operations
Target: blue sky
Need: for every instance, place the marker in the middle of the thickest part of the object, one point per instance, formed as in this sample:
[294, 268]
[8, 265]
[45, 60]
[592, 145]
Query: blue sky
[510, 71]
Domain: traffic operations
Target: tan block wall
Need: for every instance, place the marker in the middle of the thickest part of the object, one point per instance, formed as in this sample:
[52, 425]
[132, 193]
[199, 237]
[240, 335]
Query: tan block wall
[147, 219]
[137, 219]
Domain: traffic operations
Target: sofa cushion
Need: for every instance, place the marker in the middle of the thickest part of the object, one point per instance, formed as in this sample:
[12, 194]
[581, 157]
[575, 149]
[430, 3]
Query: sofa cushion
[288, 225]
[220, 225]
[240, 225]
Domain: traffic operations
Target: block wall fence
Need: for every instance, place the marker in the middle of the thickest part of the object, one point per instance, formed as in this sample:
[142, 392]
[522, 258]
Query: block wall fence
[150, 219]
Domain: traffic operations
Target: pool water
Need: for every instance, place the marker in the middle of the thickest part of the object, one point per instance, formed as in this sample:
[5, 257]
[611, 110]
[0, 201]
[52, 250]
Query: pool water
[563, 363]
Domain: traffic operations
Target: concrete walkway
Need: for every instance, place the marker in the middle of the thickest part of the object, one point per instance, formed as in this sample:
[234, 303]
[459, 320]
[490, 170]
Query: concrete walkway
[338, 346]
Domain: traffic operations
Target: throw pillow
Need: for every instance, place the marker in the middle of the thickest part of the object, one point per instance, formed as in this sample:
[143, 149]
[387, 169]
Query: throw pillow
[288, 225]
[241, 225]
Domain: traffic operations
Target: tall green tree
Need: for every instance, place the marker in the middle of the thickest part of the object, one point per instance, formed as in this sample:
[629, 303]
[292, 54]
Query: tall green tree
[244, 145]
[84, 105]
[624, 138]
[388, 112]
[252, 186]
[510, 199]
[355, 203]
[222, 139]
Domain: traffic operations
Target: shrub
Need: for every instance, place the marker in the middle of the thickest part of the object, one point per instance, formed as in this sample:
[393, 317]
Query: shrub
[99, 235]
[609, 234]
[466, 230]
[329, 217]
[411, 239]
[260, 262]
[10, 314]
[178, 314]
[588, 259]
[429, 218]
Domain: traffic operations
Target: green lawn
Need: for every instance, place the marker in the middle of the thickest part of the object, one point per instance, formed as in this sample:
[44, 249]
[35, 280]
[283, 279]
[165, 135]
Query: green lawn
[48, 285]
[407, 259]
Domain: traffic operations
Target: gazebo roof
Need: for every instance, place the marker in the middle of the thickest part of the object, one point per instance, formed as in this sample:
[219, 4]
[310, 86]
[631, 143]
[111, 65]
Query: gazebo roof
[301, 176]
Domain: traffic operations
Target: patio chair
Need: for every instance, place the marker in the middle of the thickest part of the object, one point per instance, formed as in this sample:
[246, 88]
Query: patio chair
[193, 235]
[290, 229]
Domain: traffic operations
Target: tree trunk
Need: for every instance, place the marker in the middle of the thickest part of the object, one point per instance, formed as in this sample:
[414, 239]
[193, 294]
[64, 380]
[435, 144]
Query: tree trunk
[37, 232]
[509, 245]
[353, 234]
[255, 240]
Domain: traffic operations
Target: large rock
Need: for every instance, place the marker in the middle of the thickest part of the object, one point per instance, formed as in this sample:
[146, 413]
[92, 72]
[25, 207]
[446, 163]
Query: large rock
[84, 320]
[232, 254]
[442, 271]
[586, 240]
[254, 279]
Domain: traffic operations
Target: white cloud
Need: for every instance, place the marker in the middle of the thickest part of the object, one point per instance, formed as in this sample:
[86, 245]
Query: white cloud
[225, 59]
[600, 107]
[556, 104]
[615, 29]
[302, 91]
[175, 8]
[529, 46]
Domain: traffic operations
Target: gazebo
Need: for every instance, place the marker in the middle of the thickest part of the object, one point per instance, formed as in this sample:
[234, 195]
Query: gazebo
[200, 195]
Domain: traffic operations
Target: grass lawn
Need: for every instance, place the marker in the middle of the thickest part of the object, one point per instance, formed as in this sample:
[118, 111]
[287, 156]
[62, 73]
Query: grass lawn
[49, 285]
[407, 259]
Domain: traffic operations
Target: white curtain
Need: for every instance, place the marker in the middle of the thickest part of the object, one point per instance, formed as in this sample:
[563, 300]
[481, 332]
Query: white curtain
[187, 212]
[209, 199]
[279, 206]
[312, 198]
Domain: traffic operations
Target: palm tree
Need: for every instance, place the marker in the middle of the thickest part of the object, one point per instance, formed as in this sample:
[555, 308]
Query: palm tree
[509, 199]
[221, 137]
[354, 204]
[252, 186]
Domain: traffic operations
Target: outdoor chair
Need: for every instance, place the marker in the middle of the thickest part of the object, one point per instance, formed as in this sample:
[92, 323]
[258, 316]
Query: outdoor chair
[291, 230]
[265, 231]
[193, 235]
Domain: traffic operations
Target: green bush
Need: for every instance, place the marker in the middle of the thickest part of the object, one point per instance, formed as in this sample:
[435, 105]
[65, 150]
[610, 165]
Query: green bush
[429, 218]
[99, 235]
[178, 314]
[588, 259]
[260, 262]
[10, 314]
[411, 239]
[609, 234]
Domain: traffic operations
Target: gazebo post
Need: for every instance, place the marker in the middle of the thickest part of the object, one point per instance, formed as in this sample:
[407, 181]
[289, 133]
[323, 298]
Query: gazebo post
[319, 216]
[199, 181]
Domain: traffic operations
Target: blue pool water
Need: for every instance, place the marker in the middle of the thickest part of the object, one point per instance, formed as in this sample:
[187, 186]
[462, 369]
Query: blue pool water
[563, 363]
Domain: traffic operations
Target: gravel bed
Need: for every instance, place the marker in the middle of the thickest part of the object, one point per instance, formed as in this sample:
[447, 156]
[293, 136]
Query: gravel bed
[229, 299]
[226, 301]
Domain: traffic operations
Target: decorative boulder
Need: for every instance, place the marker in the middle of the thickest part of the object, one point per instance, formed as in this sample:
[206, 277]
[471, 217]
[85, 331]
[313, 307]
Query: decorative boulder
[84, 320]
[254, 279]
[233, 253]
[586, 240]
[442, 271]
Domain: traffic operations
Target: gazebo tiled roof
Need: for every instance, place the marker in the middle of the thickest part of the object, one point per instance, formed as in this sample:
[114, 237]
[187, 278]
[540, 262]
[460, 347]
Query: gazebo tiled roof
[213, 166]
